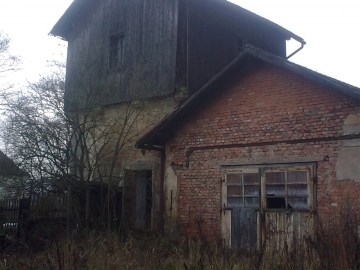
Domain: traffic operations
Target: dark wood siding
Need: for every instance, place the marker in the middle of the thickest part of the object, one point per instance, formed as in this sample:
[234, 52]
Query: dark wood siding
[165, 41]
[213, 30]
[211, 44]
[149, 29]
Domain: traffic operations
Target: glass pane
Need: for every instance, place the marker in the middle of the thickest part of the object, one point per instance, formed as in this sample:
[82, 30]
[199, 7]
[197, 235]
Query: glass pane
[276, 190]
[298, 203]
[275, 177]
[234, 190]
[297, 177]
[235, 202]
[251, 190]
[234, 178]
[297, 190]
[275, 203]
[252, 202]
[251, 178]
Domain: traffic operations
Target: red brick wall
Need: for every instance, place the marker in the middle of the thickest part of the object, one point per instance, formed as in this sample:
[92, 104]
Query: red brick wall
[266, 105]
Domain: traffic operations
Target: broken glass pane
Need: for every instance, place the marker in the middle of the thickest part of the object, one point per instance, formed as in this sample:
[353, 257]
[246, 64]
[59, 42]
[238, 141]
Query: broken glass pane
[275, 203]
[235, 202]
[275, 190]
[251, 190]
[298, 203]
[234, 190]
[252, 202]
[251, 178]
[234, 178]
[297, 177]
[298, 190]
[275, 177]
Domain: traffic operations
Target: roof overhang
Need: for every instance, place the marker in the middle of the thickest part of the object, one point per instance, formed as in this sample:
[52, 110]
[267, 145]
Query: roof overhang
[64, 25]
[249, 58]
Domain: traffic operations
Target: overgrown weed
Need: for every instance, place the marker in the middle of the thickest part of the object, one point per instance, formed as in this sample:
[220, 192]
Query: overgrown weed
[335, 245]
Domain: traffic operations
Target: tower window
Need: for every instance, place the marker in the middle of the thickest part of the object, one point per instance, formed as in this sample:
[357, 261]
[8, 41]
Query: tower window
[117, 52]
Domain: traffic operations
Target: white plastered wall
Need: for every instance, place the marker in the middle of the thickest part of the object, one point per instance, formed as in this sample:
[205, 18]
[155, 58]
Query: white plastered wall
[348, 161]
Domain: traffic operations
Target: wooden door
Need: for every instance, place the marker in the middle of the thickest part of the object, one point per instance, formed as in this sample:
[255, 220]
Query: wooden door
[244, 228]
[243, 202]
[270, 205]
[287, 205]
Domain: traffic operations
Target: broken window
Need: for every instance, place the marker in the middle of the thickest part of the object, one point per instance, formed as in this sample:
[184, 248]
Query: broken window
[278, 187]
[287, 189]
[117, 51]
[267, 203]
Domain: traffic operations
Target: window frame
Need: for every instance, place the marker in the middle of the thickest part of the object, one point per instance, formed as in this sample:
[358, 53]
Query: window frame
[262, 169]
[116, 51]
[309, 168]
[243, 196]
[262, 211]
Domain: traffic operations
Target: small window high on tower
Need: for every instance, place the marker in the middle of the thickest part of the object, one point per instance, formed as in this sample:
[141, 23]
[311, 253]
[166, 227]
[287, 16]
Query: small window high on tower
[117, 52]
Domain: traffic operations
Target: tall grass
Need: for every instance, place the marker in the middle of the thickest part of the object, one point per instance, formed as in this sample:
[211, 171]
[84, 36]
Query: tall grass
[335, 245]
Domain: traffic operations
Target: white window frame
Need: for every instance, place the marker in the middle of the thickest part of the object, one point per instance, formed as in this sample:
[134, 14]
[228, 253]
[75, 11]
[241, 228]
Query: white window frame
[262, 169]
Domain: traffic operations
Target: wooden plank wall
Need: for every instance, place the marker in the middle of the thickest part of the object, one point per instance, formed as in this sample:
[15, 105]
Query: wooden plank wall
[9, 212]
[149, 28]
[282, 229]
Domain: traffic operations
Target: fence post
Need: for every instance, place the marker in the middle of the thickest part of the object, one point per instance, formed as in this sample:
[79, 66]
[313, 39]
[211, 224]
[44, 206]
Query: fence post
[87, 207]
[68, 210]
[23, 216]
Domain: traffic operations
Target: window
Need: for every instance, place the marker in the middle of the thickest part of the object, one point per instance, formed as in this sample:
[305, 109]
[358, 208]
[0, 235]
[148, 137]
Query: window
[287, 187]
[267, 204]
[243, 190]
[117, 52]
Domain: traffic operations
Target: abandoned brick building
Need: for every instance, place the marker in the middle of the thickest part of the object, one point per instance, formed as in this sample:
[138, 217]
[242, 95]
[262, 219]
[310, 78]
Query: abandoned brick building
[258, 140]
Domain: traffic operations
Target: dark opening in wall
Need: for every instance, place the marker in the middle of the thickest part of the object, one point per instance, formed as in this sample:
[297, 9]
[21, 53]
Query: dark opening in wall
[143, 199]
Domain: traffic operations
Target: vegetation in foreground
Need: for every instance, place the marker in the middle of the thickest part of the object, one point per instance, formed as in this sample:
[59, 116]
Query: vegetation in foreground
[336, 245]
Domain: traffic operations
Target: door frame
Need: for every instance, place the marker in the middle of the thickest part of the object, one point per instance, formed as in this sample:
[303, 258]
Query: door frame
[262, 210]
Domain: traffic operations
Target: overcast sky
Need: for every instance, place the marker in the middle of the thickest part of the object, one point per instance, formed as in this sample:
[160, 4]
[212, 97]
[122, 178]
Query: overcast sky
[330, 28]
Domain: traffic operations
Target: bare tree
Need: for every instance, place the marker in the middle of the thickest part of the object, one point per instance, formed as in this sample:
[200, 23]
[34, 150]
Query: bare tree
[8, 62]
[89, 144]
[36, 132]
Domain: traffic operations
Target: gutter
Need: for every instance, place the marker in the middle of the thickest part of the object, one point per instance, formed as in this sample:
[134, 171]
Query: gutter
[302, 42]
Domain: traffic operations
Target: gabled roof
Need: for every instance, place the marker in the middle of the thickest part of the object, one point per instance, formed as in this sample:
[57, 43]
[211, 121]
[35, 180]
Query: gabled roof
[249, 57]
[65, 23]
[8, 167]
[77, 7]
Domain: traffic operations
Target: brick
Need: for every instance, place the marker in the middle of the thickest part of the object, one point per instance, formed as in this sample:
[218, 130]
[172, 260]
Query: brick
[265, 106]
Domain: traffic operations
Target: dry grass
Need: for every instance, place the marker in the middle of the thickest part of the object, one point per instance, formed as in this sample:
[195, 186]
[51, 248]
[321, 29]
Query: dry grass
[98, 251]
[336, 246]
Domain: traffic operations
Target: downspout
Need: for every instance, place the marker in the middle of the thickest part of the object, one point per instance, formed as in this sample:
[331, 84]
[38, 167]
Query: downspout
[187, 44]
[162, 182]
